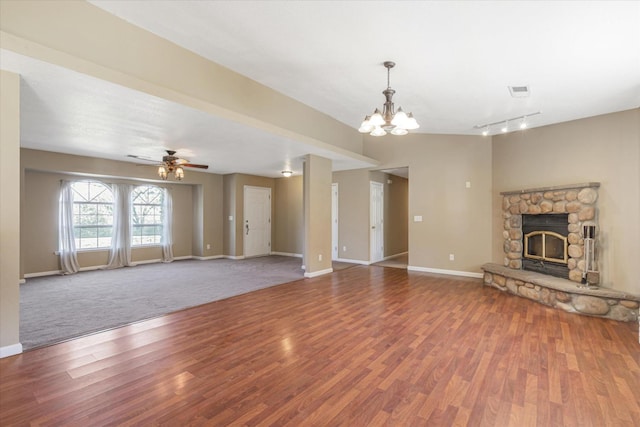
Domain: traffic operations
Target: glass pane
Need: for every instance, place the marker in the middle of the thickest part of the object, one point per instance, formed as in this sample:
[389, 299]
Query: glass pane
[88, 209]
[104, 242]
[535, 245]
[104, 232]
[554, 247]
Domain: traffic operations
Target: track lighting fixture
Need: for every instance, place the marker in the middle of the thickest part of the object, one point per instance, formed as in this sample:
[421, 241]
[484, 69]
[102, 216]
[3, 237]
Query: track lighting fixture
[504, 128]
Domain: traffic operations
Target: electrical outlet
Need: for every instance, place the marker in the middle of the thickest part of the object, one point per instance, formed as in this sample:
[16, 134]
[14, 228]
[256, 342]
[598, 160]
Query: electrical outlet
[320, 257]
[208, 246]
[468, 184]
[230, 217]
[344, 249]
[451, 257]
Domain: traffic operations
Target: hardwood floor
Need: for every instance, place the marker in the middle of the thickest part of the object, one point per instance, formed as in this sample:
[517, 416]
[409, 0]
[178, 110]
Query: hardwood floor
[365, 346]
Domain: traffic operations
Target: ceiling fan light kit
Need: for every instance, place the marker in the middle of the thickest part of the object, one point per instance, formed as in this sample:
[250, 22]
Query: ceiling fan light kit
[171, 164]
[380, 123]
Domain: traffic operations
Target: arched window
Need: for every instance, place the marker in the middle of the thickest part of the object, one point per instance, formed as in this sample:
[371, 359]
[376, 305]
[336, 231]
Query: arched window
[146, 215]
[92, 214]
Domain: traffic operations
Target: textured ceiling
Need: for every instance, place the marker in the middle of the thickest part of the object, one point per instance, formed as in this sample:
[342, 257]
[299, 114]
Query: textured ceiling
[455, 61]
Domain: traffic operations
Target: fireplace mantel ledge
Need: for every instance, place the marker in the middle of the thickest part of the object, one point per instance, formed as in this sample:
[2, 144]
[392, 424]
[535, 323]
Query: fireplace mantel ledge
[553, 188]
[557, 283]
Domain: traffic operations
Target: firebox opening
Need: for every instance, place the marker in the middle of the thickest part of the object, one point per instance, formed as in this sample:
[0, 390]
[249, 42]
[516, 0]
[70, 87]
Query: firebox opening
[545, 244]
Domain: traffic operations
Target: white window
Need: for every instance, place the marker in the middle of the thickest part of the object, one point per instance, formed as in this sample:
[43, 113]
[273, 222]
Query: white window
[146, 215]
[92, 215]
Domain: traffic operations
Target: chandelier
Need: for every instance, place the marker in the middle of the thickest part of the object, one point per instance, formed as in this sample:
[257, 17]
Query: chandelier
[398, 123]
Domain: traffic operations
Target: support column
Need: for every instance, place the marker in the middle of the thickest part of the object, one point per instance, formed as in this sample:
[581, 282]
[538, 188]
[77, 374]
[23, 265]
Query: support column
[317, 216]
[9, 214]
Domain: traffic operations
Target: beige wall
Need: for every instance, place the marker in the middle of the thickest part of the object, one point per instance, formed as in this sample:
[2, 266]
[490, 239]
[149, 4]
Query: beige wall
[9, 213]
[288, 220]
[456, 220]
[229, 211]
[396, 215]
[603, 149]
[317, 214]
[198, 196]
[353, 214]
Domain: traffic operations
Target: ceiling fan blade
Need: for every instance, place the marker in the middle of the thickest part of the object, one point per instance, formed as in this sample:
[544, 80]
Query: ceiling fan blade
[146, 159]
[191, 165]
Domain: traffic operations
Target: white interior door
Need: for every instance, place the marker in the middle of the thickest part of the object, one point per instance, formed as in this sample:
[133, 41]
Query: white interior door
[376, 222]
[334, 221]
[257, 221]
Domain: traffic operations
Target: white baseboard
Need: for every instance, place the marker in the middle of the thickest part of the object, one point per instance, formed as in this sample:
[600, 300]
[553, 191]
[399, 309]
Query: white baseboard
[42, 273]
[448, 272]
[233, 257]
[206, 258]
[353, 261]
[22, 281]
[287, 254]
[10, 350]
[318, 273]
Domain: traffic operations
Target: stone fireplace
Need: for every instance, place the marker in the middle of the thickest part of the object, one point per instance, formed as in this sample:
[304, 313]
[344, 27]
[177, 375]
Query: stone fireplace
[544, 252]
[576, 203]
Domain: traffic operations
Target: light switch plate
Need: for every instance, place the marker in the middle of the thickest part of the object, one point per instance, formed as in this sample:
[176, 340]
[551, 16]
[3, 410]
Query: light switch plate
[417, 218]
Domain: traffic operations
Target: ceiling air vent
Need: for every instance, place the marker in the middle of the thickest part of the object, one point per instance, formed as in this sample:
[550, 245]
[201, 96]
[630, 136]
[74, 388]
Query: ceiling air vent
[519, 91]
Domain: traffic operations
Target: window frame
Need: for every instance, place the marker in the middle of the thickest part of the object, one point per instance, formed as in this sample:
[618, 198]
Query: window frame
[78, 225]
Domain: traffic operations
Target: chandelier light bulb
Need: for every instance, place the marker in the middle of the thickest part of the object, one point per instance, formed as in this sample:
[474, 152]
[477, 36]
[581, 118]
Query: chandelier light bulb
[411, 123]
[400, 119]
[366, 125]
[376, 119]
[378, 131]
[399, 131]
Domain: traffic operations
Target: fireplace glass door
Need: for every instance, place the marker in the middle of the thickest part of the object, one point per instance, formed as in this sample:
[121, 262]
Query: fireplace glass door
[545, 246]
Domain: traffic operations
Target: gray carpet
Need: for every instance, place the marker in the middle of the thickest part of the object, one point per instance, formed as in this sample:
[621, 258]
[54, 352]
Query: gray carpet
[57, 308]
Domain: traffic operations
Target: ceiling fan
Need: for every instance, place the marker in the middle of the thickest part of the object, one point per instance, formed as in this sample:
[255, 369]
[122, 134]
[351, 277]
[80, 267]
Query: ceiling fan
[170, 164]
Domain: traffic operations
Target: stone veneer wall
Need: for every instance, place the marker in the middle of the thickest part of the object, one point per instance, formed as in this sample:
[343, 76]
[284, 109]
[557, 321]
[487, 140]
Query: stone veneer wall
[578, 200]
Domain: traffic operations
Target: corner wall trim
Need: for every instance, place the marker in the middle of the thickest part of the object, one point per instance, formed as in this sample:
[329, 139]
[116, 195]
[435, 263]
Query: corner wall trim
[353, 261]
[10, 350]
[448, 272]
[394, 255]
[318, 273]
